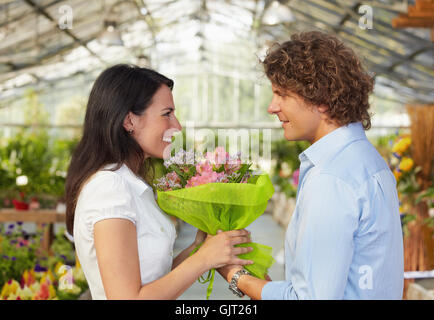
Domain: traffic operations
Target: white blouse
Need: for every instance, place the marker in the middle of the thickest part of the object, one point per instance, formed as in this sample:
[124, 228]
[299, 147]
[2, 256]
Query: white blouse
[121, 194]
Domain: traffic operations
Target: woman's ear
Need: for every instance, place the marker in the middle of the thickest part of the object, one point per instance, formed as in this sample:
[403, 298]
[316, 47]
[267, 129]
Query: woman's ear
[128, 123]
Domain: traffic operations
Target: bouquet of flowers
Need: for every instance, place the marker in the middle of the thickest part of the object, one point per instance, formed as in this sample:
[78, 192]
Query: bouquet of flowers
[217, 192]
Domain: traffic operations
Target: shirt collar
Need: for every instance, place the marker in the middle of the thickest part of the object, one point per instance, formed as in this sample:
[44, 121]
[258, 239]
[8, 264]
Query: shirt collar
[332, 143]
[139, 185]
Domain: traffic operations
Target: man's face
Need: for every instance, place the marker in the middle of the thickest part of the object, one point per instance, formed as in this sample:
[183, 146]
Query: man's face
[300, 121]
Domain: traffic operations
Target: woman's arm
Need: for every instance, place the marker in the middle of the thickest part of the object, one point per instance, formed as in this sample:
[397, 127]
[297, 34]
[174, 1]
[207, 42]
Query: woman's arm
[200, 237]
[118, 261]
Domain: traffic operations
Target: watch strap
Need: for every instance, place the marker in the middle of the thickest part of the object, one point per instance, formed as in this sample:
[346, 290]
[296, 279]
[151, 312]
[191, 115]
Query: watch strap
[233, 285]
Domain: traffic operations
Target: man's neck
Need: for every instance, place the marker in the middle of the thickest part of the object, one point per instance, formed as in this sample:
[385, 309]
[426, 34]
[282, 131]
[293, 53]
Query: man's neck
[323, 129]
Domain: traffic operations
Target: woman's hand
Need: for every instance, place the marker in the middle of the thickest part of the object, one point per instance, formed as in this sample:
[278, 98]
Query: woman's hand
[219, 250]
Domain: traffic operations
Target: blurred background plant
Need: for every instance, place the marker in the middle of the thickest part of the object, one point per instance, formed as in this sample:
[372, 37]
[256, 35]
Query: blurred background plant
[405, 171]
[285, 166]
[28, 272]
[37, 157]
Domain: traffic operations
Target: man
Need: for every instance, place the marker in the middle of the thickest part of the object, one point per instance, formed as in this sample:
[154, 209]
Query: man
[344, 240]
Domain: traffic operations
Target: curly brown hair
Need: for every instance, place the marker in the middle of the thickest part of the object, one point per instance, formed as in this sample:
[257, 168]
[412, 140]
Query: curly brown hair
[323, 71]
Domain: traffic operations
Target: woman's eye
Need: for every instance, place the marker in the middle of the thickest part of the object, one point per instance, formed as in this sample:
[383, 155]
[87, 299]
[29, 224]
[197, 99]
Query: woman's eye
[167, 114]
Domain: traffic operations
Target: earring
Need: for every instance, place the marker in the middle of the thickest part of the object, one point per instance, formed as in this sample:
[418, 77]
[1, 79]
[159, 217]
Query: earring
[130, 131]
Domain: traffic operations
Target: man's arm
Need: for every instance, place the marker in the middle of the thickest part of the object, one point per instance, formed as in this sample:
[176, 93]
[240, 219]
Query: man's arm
[322, 246]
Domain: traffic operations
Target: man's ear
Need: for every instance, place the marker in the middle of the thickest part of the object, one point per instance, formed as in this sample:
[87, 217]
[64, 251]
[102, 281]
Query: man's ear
[128, 123]
[323, 110]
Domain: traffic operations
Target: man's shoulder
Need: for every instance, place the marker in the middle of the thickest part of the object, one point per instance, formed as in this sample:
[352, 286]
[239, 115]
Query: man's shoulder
[355, 164]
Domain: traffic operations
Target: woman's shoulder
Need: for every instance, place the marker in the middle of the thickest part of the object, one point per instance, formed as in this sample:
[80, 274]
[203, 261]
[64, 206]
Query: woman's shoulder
[105, 195]
[103, 181]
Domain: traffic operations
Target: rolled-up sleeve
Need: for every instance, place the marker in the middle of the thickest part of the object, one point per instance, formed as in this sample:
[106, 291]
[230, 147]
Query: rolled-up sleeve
[323, 248]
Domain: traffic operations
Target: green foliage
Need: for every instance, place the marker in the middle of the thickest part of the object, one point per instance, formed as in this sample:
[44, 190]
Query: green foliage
[43, 160]
[62, 249]
[18, 252]
[428, 197]
[32, 152]
[286, 153]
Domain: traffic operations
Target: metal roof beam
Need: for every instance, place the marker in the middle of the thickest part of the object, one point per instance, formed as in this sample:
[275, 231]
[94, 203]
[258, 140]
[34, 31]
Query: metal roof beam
[18, 18]
[391, 52]
[44, 13]
[391, 32]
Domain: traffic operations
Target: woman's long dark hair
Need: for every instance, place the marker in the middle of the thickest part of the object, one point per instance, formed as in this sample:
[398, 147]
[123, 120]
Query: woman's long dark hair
[117, 91]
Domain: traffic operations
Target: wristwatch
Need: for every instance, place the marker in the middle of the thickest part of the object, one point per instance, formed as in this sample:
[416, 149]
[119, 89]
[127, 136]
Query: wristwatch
[233, 285]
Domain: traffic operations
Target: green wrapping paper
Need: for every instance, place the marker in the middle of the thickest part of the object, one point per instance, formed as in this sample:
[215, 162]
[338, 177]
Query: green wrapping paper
[224, 206]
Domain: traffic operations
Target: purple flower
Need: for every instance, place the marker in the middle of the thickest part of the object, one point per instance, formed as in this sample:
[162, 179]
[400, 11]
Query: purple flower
[397, 155]
[8, 233]
[5, 257]
[63, 257]
[39, 268]
[20, 223]
[14, 258]
[13, 241]
[11, 226]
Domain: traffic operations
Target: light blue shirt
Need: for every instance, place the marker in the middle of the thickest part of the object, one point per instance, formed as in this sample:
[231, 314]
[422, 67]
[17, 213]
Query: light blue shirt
[345, 239]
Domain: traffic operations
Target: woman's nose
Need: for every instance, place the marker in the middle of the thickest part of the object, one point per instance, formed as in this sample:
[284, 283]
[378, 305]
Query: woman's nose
[177, 125]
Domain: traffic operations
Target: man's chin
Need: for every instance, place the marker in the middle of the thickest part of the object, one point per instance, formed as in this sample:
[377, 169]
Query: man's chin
[291, 136]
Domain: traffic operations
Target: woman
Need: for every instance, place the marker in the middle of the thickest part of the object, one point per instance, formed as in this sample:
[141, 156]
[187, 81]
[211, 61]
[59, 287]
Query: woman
[123, 240]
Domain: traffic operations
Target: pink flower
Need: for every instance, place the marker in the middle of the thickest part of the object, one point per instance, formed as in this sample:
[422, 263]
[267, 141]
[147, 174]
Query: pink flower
[203, 167]
[233, 166]
[173, 177]
[204, 178]
[296, 176]
[218, 157]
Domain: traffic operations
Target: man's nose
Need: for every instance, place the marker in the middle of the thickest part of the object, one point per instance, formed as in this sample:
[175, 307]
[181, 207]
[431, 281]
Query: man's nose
[273, 108]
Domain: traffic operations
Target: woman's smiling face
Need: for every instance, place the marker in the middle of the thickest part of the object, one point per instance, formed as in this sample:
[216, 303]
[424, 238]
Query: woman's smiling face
[154, 128]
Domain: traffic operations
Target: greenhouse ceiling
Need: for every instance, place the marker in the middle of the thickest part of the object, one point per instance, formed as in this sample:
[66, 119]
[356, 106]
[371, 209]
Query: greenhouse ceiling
[43, 42]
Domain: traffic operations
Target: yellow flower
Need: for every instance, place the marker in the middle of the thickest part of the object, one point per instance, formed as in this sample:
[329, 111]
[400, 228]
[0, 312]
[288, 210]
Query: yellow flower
[402, 145]
[77, 262]
[78, 274]
[48, 276]
[9, 288]
[397, 174]
[25, 293]
[60, 269]
[406, 164]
